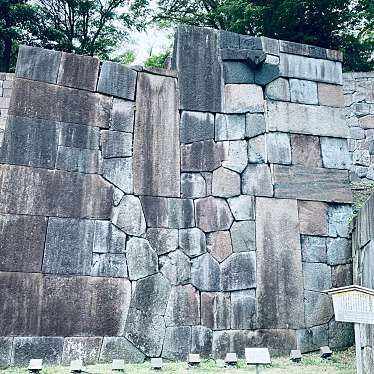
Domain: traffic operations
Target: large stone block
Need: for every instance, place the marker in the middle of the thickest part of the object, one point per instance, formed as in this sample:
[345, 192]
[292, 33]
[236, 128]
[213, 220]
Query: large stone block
[5, 351]
[162, 240]
[177, 343]
[257, 180]
[243, 236]
[313, 218]
[114, 347]
[311, 184]
[122, 115]
[313, 249]
[303, 92]
[306, 119]
[341, 335]
[341, 275]
[193, 185]
[318, 308]
[306, 151]
[38, 64]
[229, 127]
[86, 349]
[22, 243]
[278, 89]
[278, 148]
[119, 172]
[201, 341]
[257, 150]
[242, 207]
[268, 71]
[226, 183]
[317, 277]
[116, 144]
[330, 95]
[335, 153]
[278, 247]
[339, 217]
[205, 273]
[219, 245]
[109, 265]
[176, 267]
[192, 242]
[241, 98]
[196, 126]
[254, 124]
[339, 251]
[79, 160]
[243, 310]
[216, 310]
[156, 160]
[235, 155]
[56, 103]
[237, 72]
[309, 340]
[78, 136]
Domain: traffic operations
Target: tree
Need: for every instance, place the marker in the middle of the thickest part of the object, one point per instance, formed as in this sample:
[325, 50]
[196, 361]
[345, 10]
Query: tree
[125, 58]
[157, 60]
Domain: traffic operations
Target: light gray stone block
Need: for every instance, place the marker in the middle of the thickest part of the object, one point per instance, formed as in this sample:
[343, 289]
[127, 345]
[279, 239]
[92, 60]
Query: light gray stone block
[309, 340]
[192, 242]
[229, 127]
[338, 220]
[317, 276]
[78, 136]
[313, 249]
[196, 126]
[235, 155]
[226, 183]
[279, 89]
[116, 144]
[318, 308]
[330, 95]
[205, 273]
[162, 240]
[119, 172]
[241, 98]
[219, 245]
[243, 236]
[84, 348]
[339, 251]
[335, 153]
[278, 148]
[114, 347]
[243, 310]
[108, 238]
[201, 341]
[177, 343]
[257, 150]
[361, 157]
[254, 124]
[176, 268]
[5, 351]
[303, 92]
[257, 181]
[122, 115]
[193, 185]
[242, 207]
[109, 265]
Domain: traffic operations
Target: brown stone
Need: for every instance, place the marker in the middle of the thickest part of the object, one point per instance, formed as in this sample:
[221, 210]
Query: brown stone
[313, 218]
[330, 95]
[219, 245]
[215, 310]
[306, 151]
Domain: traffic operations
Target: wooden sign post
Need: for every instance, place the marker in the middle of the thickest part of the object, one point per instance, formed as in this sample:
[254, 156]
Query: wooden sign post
[354, 304]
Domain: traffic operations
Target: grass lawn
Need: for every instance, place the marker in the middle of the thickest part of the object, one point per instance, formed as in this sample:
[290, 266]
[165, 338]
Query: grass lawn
[340, 363]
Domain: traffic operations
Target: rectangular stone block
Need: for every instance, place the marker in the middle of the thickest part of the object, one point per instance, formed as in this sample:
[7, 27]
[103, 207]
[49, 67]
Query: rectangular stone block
[278, 247]
[317, 184]
[78, 136]
[116, 144]
[156, 154]
[86, 349]
[196, 126]
[22, 243]
[313, 218]
[237, 72]
[335, 153]
[303, 91]
[122, 116]
[5, 351]
[216, 310]
[306, 119]
[330, 95]
[112, 265]
[114, 347]
[306, 150]
[241, 98]
[53, 193]
[56, 103]
[77, 159]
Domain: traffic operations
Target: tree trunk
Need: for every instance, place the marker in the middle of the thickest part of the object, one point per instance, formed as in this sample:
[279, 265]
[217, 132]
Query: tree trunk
[6, 56]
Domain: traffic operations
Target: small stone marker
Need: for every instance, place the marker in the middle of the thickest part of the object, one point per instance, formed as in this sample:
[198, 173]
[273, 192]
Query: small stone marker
[76, 366]
[156, 363]
[257, 356]
[118, 365]
[295, 355]
[194, 359]
[326, 352]
[231, 359]
[35, 365]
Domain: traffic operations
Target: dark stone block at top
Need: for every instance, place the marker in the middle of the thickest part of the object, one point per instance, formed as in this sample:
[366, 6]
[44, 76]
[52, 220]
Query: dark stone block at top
[38, 64]
[78, 71]
[117, 80]
[228, 39]
[250, 42]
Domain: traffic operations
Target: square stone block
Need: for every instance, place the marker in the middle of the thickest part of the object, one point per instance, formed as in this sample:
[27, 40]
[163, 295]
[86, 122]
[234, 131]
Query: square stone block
[306, 150]
[84, 348]
[6, 345]
[313, 218]
[114, 347]
[241, 98]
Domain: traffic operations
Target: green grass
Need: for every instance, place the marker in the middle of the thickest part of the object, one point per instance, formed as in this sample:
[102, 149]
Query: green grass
[340, 363]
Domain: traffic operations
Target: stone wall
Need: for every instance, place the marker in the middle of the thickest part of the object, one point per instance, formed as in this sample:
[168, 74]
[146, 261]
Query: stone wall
[6, 84]
[154, 212]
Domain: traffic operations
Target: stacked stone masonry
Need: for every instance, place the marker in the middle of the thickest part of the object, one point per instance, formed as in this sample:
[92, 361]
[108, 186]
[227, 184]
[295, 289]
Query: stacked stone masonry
[6, 85]
[153, 213]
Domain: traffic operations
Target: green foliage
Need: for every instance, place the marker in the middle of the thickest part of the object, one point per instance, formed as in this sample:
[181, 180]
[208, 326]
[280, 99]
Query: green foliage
[157, 60]
[125, 58]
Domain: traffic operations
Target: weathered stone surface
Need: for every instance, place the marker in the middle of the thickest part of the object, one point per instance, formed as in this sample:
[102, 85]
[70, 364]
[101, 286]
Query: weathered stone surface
[213, 214]
[313, 249]
[226, 183]
[256, 180]
[309, 340]
[330, 95]
[311, 184]
[109, 265]
[306, 151]
[303, 92]
[228, 39]
[119, 172]
[243, 310]
[19, 297]
[243, 236]
[216, 310]
[270, 46]
[237, 72]
[219, 245]
[268, 71]
[129, 217]
[278, 89]
[108, 238]
[78, 136]
[5, 351]
[116, 144]
[341, 275]
[235, 155]
[229, 127]
[254, 124]
[205, 273]
[68, 246]
[86, 349]
[177, 343]
[192, 242]
[114, 347]
[22, 243]
[249, 42]
[200, 71]
[341, 335]
[241, 98]
[278, 246]
[296, 118]
[317, 277]
[196, 126]
[335, 153]
[25, 348]
[80, 306]
[201, 156]
[56, 103]
[338, 220]
[38, 64]
[242, 207]
[142, 259]
[339, 251]
[257, 150]
[176, 268]
[170, 213]
[201, 341]
[117, 80]
[193, 185]
[78, 71]
[318, 308]
[122, 115]
[278, 148]
[162, 240]
[77, 159]
[313, 218]
[361, 157]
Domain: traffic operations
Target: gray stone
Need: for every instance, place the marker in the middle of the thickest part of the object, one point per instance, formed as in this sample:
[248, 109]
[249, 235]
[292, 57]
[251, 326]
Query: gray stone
[278, 148]
[208, 181]
[356, 133]
[278, 247]
[122, 115]
[119, 172]
[318, 184]
[303, 92]
[313, 218]
[109, 265]
[330, 95]
[339, 217]
[25, 348]
[313, 249]
[86, 349]
[114, 347]
[335, 153]
[243, 310]
[216, 310]
[213, 214]
[229, 127]
[361, 157]
[219, 245]
[38, 64]
[279, 89]
[318, 308]
[193, 185]
[162, 240]
[196, 126]
[268, 71]
[257, 181]
[317, 276]
[309, 340]
[340, 335]
[176, 268]
[5, 351]
[254, 124]
[192, 242]
[243, 236]
[117, 80]
[226, 183]
[116, 144]
[241, 98]
[339, 251]
[205, 273]
[228, 39]
[156, 161]
[201, 341]
[78, 136]
[201, 156]
[177, 343]
[270, 46]
[235, 155]
[242, 207]
[108, 238]
[250, 42]
[237, 72]
[77, 159]
[257, 150]
[306, 151]
[141, 258]
[238, 271]
[68, 246]
[341, 275]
